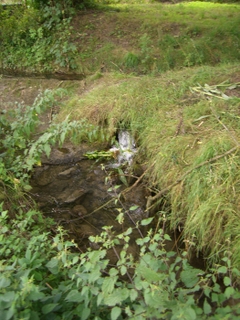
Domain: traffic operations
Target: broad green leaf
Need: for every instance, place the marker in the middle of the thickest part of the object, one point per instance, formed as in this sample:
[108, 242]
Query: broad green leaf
[128, 231]
[74, 296]
[113, 272]
[190, 314]
[167, 237]
[28, 254]
[108, 284]
[48, 308]
[149, 274]
[207, 292]
[190, 276]
[112, 299]
[47, 149]
[52, 265]
[115, 313]
[206, 307]
[122, 177]
[85, 313]
[128, 311]
[133, 294]
[38, 109]
[4, 282]
[133, 208]
[228, 292]
[146, 222]
[75, 259]
[227, 281]
[62, 137]
[27, 187]
[123, 270]
[7, 314]
[116, 297]
[35, 296]
[120, 218]
[216, 288]
[222, 269]
[99, 298]
[7, 296]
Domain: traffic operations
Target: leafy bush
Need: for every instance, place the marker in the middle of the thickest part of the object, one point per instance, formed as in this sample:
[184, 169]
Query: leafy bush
[43, 278]
[37, 40]
[20, 151]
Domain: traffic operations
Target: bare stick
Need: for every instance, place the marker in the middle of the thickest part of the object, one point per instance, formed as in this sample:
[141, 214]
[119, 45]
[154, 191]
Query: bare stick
[139, 179]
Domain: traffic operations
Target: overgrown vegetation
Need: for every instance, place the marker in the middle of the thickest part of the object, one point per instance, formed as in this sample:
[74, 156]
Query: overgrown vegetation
[21, 146]
[36, 40]
[143, 38]
[154, 38]
[42, 278]
[184, 115]
[181, 126]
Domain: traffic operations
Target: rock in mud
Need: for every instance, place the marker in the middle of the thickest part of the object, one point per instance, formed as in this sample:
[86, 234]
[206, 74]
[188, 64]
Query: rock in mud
[66, 174]
[79, 210]
[69, 197]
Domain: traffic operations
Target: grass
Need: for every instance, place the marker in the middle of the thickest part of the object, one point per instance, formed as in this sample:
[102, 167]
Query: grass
[178, 130]
[184, 34]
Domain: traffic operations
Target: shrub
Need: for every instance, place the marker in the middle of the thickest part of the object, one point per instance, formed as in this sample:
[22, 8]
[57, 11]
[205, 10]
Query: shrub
[44, 278]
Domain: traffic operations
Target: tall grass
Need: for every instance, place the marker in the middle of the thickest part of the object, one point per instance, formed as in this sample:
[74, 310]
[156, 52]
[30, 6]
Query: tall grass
[154, 38]
[177, 131]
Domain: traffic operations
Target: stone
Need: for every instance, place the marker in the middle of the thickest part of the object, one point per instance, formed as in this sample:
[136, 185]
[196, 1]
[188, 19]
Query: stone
[70, 196]
[79, 210]
[66, 174]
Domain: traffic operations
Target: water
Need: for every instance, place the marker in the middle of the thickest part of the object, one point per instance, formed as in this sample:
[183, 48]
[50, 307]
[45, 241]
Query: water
[125, 150]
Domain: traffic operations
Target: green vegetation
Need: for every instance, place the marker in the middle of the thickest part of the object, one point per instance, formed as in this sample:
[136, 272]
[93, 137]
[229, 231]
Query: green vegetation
[178, 129]
[36, 41]
[155, 37]
[169, 73]
[42, 278]
[161, 37]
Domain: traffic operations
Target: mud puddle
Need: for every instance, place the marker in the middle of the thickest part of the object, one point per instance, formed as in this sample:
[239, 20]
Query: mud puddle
[80, 195]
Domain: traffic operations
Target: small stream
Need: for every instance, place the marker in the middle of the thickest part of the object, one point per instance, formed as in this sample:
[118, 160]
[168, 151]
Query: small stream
[81, 194]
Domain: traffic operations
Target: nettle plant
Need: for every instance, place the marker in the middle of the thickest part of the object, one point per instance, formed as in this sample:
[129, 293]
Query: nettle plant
[37, 39]
[21, 147]
[48, 278]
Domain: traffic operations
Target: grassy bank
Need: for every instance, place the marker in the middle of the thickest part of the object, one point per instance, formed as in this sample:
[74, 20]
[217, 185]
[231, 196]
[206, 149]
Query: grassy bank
[180, 126]
[155, 38]
[141, 38]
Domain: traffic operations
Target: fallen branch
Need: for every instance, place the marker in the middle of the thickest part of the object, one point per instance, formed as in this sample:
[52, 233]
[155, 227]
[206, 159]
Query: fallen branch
[138, 180]
[122, 193]
[180, 179]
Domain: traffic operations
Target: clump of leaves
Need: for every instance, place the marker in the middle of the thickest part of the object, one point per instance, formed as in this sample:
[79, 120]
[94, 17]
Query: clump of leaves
[44, 278]
[21, 149]
[36, 39]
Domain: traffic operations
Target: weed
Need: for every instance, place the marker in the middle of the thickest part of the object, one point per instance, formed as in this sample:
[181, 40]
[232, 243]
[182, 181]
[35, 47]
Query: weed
[34, 43]
[45, 277]
[131, 60]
